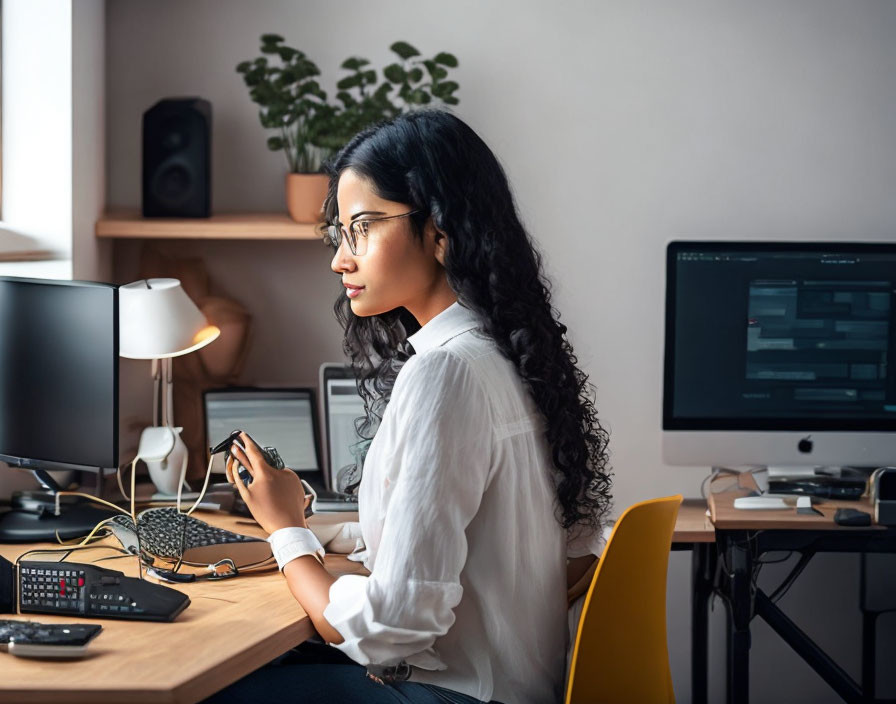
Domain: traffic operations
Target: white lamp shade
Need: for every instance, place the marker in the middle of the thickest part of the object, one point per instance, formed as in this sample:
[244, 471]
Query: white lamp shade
[157, 319]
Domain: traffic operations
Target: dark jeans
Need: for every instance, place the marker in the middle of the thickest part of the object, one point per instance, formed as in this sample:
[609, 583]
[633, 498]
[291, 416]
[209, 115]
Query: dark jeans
[316, 672]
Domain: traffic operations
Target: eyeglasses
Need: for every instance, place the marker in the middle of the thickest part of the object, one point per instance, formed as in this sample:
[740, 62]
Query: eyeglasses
[356, 234]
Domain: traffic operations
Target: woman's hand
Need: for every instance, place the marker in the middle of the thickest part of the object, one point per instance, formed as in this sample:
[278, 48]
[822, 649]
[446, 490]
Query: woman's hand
[275, 497]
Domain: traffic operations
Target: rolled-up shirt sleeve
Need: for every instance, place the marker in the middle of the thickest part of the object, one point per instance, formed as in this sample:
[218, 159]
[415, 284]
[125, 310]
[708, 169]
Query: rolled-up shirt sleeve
[439, 466]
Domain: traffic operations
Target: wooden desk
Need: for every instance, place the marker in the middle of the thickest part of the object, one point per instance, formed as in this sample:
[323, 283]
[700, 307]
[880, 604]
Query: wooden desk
[693, 525]
[742, 537]
[231, 628]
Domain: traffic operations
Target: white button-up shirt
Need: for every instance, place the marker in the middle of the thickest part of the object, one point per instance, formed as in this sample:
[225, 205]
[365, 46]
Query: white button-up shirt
[457, 501]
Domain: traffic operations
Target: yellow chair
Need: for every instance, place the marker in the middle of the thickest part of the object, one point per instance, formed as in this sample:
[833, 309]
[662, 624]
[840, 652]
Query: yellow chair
[620, 653]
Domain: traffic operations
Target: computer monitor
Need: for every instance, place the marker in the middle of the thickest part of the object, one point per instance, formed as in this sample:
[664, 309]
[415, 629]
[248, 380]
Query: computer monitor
[780, 353]
[58, 386]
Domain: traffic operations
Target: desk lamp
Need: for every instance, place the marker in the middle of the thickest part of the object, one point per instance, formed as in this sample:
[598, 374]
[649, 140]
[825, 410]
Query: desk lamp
[158, 321]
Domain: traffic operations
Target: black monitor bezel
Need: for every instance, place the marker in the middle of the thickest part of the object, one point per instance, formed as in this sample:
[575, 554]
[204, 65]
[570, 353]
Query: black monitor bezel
[671, 422]
[53, 465]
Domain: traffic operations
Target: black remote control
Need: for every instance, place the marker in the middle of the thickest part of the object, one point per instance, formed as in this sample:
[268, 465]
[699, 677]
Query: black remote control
[75, 589]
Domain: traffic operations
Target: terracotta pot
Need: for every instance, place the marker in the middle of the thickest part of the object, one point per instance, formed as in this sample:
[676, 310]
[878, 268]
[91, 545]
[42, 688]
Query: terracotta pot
[305, 194]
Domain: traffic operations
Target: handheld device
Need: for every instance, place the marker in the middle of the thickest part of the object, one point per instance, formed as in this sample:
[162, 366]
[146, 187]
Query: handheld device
[270, 454]
[30, 639]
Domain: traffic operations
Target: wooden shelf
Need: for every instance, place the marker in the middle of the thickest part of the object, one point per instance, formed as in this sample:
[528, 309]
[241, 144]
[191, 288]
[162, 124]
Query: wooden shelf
[228, 226]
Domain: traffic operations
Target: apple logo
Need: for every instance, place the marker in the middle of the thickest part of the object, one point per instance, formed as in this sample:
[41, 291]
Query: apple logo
[805, 445]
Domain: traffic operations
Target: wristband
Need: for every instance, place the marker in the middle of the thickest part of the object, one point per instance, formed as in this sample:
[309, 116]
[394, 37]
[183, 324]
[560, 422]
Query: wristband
[287, 544]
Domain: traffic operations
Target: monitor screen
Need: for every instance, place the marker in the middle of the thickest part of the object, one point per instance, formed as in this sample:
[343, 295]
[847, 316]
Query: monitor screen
[279, 418]
[781, 336]
[58, 374]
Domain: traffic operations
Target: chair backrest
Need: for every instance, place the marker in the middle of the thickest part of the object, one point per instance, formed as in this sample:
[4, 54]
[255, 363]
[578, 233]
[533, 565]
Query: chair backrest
[620, 653]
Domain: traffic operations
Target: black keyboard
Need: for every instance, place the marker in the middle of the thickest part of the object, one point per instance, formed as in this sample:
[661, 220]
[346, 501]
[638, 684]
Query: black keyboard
[168, 533]
[70, 588]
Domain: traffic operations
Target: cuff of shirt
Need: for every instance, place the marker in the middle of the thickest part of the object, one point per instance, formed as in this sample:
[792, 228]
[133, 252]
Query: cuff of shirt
[287, 544]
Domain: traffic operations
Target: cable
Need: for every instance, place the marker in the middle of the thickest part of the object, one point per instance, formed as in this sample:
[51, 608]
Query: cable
[791, 578]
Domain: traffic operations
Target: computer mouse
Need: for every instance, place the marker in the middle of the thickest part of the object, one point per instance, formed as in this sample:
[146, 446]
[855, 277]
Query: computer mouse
[851, 517]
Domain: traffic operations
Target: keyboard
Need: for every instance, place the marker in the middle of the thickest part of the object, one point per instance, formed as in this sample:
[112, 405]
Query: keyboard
[76, 589]
[328, 501]
[167, 533]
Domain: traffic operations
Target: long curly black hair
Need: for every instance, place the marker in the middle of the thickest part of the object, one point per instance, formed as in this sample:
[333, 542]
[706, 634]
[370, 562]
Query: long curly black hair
[432, 161]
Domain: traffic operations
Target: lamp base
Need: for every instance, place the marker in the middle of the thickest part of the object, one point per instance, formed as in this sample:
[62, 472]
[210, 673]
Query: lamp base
[165, 455]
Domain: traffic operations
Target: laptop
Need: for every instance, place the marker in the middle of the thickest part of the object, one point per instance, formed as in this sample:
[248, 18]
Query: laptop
[341, 406]
[284, 418]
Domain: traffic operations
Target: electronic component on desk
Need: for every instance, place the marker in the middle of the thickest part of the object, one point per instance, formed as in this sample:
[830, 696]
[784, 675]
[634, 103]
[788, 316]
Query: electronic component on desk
[270, 454]
[28, 639]
[761, 502]
[71, 588]
[820, 486]
[167, 533]
[883, 495]
[851, 517]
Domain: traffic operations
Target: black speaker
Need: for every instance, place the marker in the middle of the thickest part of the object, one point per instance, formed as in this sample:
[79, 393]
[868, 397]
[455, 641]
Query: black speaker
[177, 158]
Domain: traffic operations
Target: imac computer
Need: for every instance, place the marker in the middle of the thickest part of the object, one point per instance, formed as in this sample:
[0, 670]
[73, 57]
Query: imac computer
[58, 396]
[780, 355]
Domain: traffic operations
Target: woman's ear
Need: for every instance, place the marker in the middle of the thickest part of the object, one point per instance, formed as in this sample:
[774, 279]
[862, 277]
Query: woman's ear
[441, 242]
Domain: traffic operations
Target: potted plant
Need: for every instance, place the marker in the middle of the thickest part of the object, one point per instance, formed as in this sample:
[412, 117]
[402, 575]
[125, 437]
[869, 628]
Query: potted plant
[309, 129]
[282, 83]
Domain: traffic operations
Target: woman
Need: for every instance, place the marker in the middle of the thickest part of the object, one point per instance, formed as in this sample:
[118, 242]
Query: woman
[487, 468]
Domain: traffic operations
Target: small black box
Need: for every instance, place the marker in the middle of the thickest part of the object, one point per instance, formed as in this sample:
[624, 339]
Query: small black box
[883, 492]
[177, 158]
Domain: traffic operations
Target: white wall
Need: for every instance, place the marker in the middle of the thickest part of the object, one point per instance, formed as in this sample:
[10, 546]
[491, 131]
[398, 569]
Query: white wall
[37, 118]
[622, 125]
[91, 258]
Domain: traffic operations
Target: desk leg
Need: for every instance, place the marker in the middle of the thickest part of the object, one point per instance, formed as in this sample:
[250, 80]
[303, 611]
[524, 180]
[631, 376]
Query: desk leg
[703, 568]
[739, 563]
[869, 653]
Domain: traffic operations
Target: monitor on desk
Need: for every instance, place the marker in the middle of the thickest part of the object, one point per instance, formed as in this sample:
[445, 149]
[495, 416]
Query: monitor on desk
[58, 389]
[780, 353]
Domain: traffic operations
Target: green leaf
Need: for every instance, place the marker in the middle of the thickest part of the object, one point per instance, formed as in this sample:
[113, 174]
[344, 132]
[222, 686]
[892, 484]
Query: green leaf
[271, 38]
[415, 74]
[243, 66]
[349, 82]
[275, 143]
[404, 50]
[353, 63]
[446, 59]
[381, 92]
[395, 73]
[369, 77]
[450, 100]
[438, 73]
[447, 88]
[286, 53]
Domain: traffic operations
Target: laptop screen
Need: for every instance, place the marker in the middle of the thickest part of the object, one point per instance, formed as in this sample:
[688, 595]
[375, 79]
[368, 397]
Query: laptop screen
[280, 418]
[342, 407]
